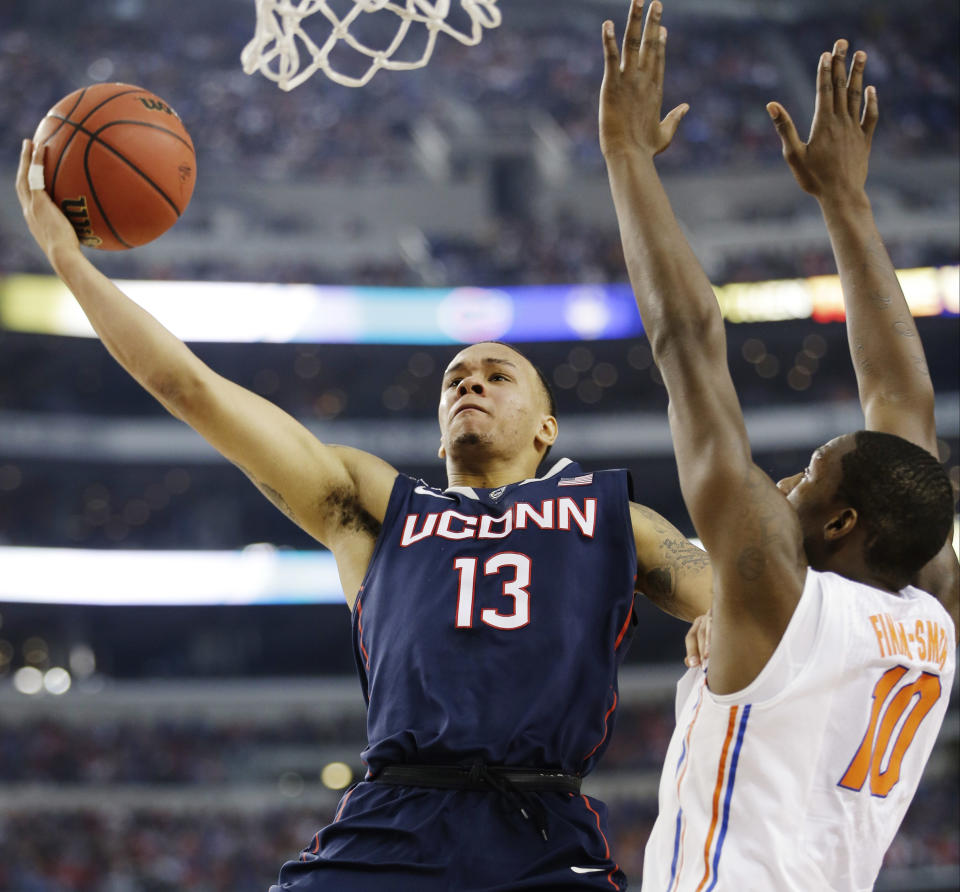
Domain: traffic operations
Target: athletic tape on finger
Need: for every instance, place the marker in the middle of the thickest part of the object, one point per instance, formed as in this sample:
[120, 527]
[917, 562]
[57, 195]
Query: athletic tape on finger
[35, 176]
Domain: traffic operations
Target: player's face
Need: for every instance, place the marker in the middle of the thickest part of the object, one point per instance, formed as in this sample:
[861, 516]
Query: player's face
[813, 491]
[491, 397]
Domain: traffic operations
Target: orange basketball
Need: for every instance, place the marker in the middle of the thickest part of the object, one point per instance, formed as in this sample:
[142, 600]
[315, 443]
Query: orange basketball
[119, 163]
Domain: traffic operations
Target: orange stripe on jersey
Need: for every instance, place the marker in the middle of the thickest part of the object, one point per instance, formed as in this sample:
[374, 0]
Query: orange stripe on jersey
[717, 790]
[626, 625]
[343, 805]
[606, 728]
[606, 853]
[366, 656]
[606, 845]
[314, 847]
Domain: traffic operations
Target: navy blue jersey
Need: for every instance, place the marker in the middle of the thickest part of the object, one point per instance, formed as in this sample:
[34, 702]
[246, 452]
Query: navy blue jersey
[491, 623]
[489, 626]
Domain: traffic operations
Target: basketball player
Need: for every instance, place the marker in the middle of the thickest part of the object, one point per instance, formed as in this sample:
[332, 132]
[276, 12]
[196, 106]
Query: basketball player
[489, 617]
[800, 745]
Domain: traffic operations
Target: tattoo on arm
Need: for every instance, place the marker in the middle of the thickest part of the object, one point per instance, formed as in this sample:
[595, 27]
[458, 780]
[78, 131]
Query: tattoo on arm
[340, 505]
[680, 557]
[275, 497]
[658, 586]
[676, 558]
[751, 564]
[686, 556]
[651, 517]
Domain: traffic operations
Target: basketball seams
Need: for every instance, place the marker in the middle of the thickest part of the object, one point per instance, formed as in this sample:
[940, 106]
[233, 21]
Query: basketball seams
[93, 191]
[59, 127]
[95, 138]
[78, 125]
[95, 134]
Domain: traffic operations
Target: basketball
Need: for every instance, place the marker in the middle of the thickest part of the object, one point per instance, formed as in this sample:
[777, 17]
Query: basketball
[119, 163]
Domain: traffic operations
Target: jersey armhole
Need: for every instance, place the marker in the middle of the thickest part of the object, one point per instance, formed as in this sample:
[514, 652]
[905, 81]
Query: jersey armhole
[402, 486]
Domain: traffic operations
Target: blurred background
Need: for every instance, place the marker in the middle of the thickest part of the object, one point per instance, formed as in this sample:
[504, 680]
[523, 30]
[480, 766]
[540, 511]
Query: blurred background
[170, 720]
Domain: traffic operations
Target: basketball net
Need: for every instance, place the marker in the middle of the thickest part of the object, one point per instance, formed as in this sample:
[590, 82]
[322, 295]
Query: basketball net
[283, 52]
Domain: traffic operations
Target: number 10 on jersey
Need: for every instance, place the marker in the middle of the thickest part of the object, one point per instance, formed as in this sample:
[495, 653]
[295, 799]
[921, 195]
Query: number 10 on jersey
[506, 562]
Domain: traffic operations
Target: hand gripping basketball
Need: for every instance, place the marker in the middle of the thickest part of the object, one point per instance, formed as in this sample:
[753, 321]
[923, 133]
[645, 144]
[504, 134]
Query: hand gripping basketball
[47, 224]
[119, 164]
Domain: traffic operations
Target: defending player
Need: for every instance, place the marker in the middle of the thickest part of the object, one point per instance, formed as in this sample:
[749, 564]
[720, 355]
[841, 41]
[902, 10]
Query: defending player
[892, 377]
[489, 618]
[799, 748]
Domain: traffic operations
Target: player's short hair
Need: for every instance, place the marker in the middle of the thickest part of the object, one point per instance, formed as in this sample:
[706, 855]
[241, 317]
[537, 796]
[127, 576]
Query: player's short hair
[903, 498]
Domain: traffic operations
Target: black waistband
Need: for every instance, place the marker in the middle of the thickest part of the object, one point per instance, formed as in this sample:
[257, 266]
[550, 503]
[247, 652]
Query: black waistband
[457, 777]
[516, 785]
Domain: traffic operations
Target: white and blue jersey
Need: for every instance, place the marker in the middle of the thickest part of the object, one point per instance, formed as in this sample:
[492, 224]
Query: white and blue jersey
[490, 626]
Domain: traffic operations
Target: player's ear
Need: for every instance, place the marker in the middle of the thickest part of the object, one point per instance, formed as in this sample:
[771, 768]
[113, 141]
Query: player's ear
[548, 431]
[840, 524]
[441, 452]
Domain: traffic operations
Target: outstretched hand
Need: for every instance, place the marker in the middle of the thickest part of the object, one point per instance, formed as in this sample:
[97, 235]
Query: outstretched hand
[47, 223]
[833, 161]
[632, 92]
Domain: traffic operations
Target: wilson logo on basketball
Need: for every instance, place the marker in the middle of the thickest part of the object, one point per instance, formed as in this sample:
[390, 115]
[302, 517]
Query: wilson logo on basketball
[157, 105]
[75, 210]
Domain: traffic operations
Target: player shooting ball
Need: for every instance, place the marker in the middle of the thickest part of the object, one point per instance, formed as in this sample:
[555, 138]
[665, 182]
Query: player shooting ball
[799, 747]
[490, 616]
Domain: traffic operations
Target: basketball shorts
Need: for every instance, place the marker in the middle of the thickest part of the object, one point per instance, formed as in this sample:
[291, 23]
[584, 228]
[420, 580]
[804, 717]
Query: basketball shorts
[415, 839]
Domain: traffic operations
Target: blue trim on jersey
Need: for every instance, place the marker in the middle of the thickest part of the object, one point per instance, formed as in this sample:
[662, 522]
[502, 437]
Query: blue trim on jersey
[726, 801]
[676, 835]
[676, 850]
[683, 753]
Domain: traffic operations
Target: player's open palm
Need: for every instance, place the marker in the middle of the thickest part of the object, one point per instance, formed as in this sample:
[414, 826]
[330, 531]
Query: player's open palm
[835, 157]
[632, 92]
[46, 222]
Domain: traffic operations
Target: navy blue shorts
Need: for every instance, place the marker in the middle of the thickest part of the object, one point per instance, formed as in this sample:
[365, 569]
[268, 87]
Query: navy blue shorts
[413, 839]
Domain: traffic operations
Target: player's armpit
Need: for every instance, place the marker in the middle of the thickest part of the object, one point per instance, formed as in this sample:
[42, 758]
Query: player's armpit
[333, 492]
[672, 572]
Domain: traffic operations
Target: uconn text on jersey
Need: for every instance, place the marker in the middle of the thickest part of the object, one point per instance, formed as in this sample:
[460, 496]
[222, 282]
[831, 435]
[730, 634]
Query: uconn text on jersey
[552, 514]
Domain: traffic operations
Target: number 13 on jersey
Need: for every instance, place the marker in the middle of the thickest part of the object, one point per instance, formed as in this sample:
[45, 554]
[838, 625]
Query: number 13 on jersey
[505, 563]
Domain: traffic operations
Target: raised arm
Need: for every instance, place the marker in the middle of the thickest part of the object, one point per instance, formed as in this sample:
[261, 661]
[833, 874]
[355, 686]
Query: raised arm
[336, 494]
[895, 388]
[747, 526]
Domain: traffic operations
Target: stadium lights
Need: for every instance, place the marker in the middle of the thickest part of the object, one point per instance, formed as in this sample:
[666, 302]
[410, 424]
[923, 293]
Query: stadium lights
[235, 311]
[257, 575]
